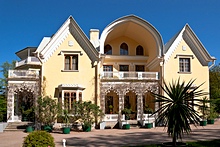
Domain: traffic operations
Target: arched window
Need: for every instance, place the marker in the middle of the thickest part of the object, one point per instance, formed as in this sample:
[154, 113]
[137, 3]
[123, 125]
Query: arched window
[139, 50]
[124, 49]
[108, 49]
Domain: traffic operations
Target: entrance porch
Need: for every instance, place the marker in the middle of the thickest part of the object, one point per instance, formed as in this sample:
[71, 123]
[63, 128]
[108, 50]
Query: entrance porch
[22, 92]
[115, 96]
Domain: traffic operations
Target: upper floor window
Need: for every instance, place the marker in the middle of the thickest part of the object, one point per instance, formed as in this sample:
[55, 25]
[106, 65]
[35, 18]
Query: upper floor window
[71, 62]
[108, 49]
[108, 70]
[184, 64]
[124, 49]
[123, 67]
[139, 68]
[139, 50]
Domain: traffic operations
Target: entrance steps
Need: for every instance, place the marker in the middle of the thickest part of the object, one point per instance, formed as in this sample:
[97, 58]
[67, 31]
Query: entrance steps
[17, 126]
[114, 124]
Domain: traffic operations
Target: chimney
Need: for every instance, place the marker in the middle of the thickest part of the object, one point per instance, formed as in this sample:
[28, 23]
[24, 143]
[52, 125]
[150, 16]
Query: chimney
[94, 35]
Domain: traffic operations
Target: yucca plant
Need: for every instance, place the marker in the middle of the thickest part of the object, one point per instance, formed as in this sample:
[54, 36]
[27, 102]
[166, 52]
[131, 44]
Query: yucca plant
[176, 110]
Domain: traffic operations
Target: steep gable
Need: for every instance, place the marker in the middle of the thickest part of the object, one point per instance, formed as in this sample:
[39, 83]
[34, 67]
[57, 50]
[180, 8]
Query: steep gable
[69, 27]
[192, 41]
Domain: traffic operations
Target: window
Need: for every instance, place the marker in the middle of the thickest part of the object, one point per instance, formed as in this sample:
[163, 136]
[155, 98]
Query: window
[139, 50]
[127, 102]
[108, 70]
[69, 99]
[124, 49]
[124, 68]
[71, 62]
[109, 105]
[139, 68]
[184, 64]
[108, 49]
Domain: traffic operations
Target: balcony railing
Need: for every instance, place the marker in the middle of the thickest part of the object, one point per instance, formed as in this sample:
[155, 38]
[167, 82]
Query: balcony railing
[23, 74]
[28, 60]
[130, 75]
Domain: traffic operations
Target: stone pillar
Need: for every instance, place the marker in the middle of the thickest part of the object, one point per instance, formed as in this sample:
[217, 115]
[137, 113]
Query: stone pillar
[102, 102]
[121, 101]
[10, 105]
[139, 106]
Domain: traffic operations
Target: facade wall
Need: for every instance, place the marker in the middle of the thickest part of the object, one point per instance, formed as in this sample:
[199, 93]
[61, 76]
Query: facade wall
[53, 71]
[198, 72]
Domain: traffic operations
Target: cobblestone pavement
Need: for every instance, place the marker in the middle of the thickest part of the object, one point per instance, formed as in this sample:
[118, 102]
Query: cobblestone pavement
[115, 137]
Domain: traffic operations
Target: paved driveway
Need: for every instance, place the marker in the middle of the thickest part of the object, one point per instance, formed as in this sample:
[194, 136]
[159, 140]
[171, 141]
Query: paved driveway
[115, 137]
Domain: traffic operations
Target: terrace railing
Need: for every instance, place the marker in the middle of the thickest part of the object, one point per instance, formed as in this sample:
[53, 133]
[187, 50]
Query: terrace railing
[23, 74]
[130, 75]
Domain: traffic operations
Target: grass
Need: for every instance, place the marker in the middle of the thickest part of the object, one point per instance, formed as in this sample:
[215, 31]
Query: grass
[210, 143]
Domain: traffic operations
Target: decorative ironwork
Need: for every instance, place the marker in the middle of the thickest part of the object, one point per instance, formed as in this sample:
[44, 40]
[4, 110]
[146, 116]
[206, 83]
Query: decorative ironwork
[122, 88]
[14, 88]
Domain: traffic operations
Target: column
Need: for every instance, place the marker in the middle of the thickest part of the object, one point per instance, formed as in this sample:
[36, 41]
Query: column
[139, 106]
[10, 106]
[102, 102]
[121, 101]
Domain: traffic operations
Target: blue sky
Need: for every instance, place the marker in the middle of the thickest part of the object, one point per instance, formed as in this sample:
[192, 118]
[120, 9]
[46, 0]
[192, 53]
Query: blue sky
[25, 22]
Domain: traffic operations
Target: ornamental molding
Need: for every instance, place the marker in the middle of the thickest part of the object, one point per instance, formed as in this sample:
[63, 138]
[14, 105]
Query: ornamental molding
[121, 88]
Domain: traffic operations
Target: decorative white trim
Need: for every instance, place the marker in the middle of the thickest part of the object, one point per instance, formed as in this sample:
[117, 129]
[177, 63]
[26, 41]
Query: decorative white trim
[56, 41]
[62, 52]
[56, 44]
[135, 20]
[174, 46]
[126, 57]
[154, 63]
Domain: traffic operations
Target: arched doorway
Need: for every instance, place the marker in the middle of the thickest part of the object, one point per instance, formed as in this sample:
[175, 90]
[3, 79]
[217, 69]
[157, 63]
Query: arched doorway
[111, 103]
[130, 102]
[24, 104]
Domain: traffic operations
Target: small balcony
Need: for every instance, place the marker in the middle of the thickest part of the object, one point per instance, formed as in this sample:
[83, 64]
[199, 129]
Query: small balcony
[24, 74]
[129, 75]
[29, 60]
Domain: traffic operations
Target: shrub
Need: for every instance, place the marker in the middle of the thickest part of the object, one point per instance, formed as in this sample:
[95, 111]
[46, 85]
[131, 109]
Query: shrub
[39, 139]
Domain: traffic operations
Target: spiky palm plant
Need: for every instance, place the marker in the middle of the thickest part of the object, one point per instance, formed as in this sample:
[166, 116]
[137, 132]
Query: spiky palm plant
[176, 110]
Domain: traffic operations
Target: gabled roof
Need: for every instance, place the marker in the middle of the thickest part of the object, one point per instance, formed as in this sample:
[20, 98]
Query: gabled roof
[49, 45]
[135, 20]
[193, 42]
[24, 53]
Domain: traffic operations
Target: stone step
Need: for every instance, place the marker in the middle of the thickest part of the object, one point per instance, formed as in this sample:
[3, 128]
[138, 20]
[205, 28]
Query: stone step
[17, 126]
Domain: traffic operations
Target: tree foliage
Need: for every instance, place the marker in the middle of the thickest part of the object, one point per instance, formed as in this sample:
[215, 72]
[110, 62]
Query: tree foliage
[39, 139]
[176, 110]
[4, 68]
[214, 78]
[46, 110]
[3, 84]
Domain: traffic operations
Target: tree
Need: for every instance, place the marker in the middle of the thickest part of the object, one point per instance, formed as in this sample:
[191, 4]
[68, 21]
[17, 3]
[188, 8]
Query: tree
[176, 109]
[214, 79]
[3, 108]
[3, 84]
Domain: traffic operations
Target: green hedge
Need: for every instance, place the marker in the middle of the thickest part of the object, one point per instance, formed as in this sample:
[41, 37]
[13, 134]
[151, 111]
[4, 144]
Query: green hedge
[39, 139]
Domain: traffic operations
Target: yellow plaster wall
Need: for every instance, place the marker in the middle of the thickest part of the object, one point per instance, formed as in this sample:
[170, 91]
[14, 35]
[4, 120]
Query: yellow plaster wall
[52, 70]
[149, 46]
[150, 52]
[198, 72]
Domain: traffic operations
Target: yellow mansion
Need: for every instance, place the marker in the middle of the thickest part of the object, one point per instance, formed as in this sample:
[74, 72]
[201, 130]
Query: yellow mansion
[115, 68]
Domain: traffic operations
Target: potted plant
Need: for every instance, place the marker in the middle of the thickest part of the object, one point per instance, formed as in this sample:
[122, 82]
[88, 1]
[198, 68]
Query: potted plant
[149, 112]
[174, 111]
[212, 114]
[87, 112]
[46, 112]
[110, 109]
[204, 110]
[126, 112]
[66, 117]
